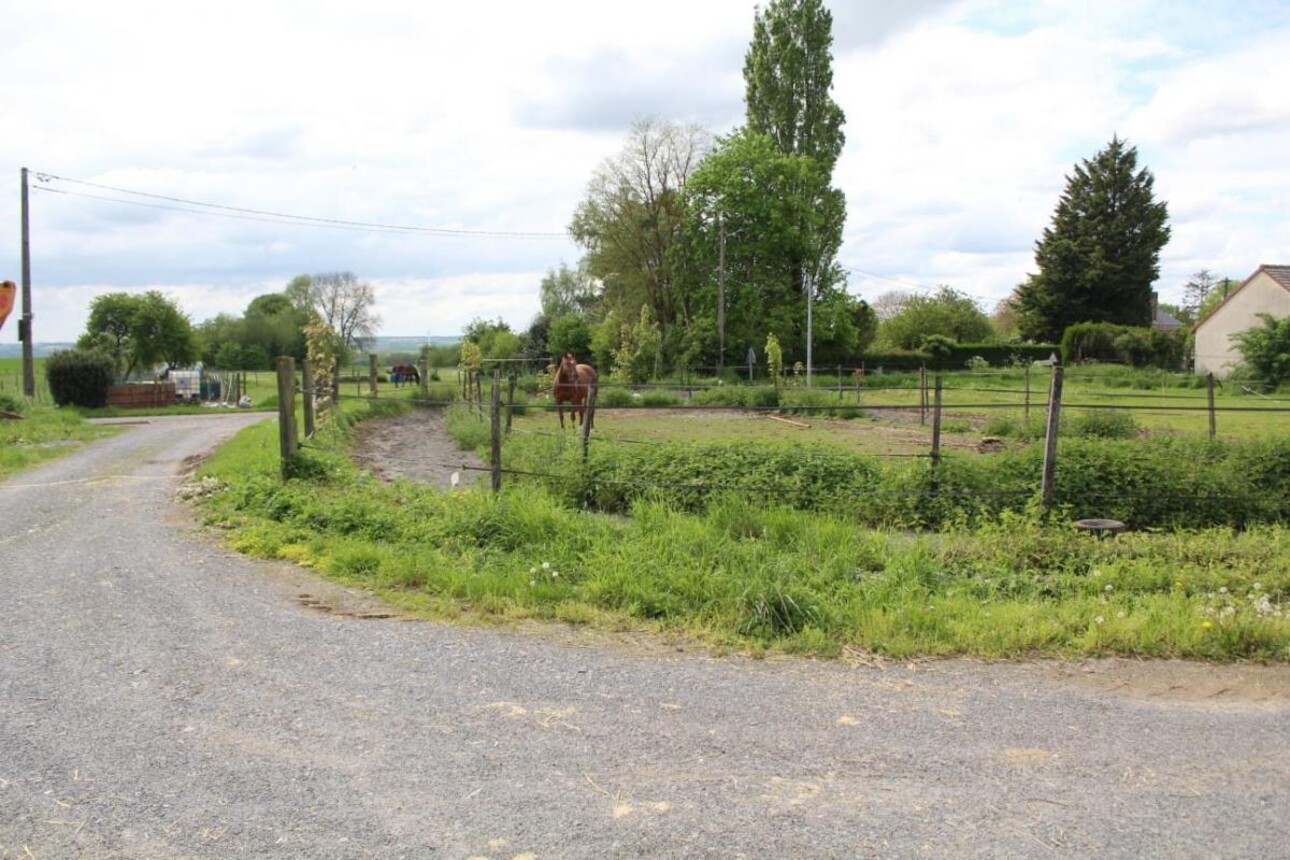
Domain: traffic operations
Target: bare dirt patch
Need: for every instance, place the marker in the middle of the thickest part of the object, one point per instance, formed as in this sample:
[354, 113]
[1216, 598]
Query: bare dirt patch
[414, 446]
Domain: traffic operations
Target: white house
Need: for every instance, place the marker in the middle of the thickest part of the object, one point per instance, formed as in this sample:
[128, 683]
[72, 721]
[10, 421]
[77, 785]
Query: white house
[1267, 291]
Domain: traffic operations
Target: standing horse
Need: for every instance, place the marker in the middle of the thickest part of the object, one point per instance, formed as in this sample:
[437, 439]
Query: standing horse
[573, 382]
[400, 373]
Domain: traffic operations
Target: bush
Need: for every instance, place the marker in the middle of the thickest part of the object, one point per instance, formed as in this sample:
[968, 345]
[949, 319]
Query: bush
[615, 398]
[80, 378]
[10, 403]
[736, 395]
[1103, 424]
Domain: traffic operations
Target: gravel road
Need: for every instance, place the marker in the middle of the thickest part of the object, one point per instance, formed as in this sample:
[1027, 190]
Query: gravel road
[161, 697]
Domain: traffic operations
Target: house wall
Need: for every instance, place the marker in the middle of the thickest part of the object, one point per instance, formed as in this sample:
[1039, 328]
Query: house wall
[1215, 351]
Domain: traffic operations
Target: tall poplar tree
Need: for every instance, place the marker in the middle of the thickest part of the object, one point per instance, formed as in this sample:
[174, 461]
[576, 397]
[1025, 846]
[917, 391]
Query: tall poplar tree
[788, 75]
[1099, 258]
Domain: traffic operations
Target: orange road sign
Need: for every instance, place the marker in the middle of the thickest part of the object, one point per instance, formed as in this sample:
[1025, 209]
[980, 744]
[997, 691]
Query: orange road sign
[7, 292]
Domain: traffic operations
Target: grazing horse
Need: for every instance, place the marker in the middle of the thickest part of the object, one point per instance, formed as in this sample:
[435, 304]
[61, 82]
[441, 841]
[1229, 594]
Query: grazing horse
[405, 373]
[573, 382]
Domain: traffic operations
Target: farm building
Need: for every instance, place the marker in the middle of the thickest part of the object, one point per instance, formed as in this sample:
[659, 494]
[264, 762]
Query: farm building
[1267, 291]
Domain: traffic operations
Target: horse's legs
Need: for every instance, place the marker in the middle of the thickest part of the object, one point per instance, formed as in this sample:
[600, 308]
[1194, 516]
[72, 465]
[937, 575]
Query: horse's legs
[559, 408]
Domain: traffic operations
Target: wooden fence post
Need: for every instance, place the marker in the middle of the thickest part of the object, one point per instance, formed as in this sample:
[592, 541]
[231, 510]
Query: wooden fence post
[286, 410]
[425, 377]
[1213, 419]
[1050, 440]
[307, 393]
[512, 380]
[371, 374]
[497, 430]
[588, 419]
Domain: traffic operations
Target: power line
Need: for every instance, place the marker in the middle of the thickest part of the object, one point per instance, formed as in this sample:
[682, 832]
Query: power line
[243, 213]
[985, 300]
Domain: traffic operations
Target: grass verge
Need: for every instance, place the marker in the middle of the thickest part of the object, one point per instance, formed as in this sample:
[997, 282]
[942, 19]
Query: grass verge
[743, 575]
[43, 433]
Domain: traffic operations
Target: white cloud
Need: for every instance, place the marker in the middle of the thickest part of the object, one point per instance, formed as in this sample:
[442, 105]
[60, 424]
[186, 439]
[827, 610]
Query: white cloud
[963, 121]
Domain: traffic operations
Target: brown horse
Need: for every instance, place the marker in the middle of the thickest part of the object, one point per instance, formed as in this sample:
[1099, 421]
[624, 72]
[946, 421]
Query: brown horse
[573, 382]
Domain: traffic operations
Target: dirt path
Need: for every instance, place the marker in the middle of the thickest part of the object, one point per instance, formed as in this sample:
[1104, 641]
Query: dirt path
[415, 446]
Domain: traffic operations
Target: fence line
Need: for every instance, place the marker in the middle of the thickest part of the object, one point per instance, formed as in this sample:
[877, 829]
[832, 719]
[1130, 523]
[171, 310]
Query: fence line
[932, 401]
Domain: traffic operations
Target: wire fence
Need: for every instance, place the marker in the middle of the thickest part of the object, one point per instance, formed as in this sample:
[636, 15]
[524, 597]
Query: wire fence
[930, 403]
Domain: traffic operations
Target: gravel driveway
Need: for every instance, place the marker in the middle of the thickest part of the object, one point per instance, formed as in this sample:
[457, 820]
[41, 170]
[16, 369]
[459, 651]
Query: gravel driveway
[161, 697]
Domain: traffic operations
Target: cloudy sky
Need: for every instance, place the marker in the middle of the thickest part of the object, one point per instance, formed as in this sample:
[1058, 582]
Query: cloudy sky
[484, 121]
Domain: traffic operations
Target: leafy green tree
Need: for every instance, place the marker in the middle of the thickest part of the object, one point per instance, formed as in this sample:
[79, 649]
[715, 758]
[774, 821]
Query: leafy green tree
[636, 359]
[276, 325]
[1266, 349]
[110, 327]
[754, 215]
[567, 291]
[569, 332]
[948, 314]
[1099, 258]
[788, 75]
[140, 331]
[633, 214]
[341, 301]
[494, 339]
[1223, 288]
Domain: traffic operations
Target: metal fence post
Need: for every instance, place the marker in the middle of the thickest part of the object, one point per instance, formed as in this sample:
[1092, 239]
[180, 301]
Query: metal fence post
[1213, 419]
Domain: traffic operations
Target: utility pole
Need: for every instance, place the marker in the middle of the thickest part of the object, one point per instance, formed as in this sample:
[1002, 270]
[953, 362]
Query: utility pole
[24, 324]
[721, 296]
[807, 281]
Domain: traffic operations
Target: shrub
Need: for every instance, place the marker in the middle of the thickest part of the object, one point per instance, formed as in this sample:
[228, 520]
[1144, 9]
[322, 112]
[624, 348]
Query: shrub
[1103, 424]
[615, 398]
[10, 403]
[80, 377]
[659, 399]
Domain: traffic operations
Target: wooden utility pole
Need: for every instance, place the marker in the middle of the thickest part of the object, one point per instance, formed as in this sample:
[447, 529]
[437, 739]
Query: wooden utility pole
[721, 297]
[24, 323]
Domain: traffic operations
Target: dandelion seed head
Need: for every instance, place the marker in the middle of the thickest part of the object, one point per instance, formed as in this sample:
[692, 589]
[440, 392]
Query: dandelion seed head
[1109, 588]
[546, 565]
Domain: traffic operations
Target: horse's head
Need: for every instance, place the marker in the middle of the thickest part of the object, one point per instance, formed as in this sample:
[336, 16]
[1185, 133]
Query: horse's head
[568, 369]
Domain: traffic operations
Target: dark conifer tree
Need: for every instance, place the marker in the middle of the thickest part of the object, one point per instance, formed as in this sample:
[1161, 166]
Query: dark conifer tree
[1099, 258]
